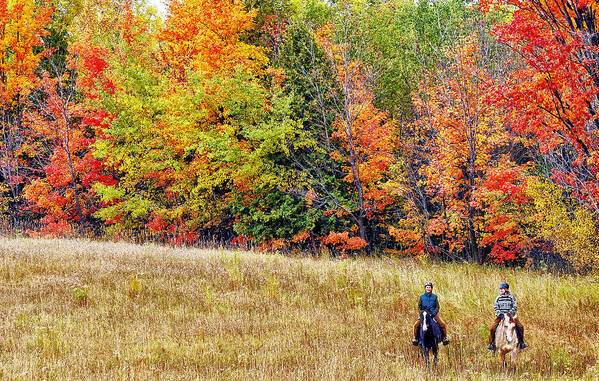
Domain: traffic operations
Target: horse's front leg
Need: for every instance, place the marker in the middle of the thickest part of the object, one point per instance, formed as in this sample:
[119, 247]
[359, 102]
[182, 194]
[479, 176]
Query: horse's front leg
[426, 357]
[503, 362]
[513, 356]
[435, 353]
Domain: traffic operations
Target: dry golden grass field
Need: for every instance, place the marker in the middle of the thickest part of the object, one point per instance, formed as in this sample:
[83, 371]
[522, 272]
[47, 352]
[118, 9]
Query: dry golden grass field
[95, 310]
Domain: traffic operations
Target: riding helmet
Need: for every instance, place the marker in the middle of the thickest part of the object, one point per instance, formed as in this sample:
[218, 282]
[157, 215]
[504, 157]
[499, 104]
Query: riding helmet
[428, 284]
[504, 285]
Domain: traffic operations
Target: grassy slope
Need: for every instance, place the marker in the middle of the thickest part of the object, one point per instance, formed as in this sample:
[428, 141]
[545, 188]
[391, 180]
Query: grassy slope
[219, 314]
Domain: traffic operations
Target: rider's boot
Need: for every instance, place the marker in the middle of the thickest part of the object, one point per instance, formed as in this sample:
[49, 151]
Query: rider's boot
[415, 342]
[521, 343]
[491, 345]
[444, 339]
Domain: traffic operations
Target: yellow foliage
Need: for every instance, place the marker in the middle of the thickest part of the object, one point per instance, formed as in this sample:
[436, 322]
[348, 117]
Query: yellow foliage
[569, 226]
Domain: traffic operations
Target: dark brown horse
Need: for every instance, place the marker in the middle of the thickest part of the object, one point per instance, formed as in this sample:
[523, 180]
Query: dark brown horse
[430, 336]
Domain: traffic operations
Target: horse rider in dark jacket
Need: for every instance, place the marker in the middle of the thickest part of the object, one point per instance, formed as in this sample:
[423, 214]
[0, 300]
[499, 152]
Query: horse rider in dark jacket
[429, 302]
[505, 304]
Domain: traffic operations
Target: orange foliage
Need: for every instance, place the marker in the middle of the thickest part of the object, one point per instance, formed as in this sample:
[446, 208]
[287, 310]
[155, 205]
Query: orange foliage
[203, 36]
[342, 241]
[468, 161]
[372, 144]
[300, 237]
[364, 134]
[22, 27]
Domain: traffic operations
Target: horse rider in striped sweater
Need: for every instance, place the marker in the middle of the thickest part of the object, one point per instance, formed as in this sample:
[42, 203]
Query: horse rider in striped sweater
[505, 303]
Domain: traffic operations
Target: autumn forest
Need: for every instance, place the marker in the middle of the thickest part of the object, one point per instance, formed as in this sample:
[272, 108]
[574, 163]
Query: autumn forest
[458, 130]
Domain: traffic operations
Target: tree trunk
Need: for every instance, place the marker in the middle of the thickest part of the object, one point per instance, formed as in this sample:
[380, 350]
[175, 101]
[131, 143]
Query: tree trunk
[78, 205]
[474, 252]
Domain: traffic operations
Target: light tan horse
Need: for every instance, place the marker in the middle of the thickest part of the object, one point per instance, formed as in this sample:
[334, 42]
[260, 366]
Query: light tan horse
[506, 342]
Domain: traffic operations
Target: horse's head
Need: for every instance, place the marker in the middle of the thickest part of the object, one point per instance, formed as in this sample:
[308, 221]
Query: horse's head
[425, 323]
[509, 328]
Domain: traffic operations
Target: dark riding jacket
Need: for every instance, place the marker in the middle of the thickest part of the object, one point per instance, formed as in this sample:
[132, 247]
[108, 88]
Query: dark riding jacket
[429, 303]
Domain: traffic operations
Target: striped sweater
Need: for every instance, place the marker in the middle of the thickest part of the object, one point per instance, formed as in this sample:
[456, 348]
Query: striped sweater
[505, 304]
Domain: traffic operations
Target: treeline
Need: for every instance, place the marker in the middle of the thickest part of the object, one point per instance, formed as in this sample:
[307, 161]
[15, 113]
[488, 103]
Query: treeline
[459, 130]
